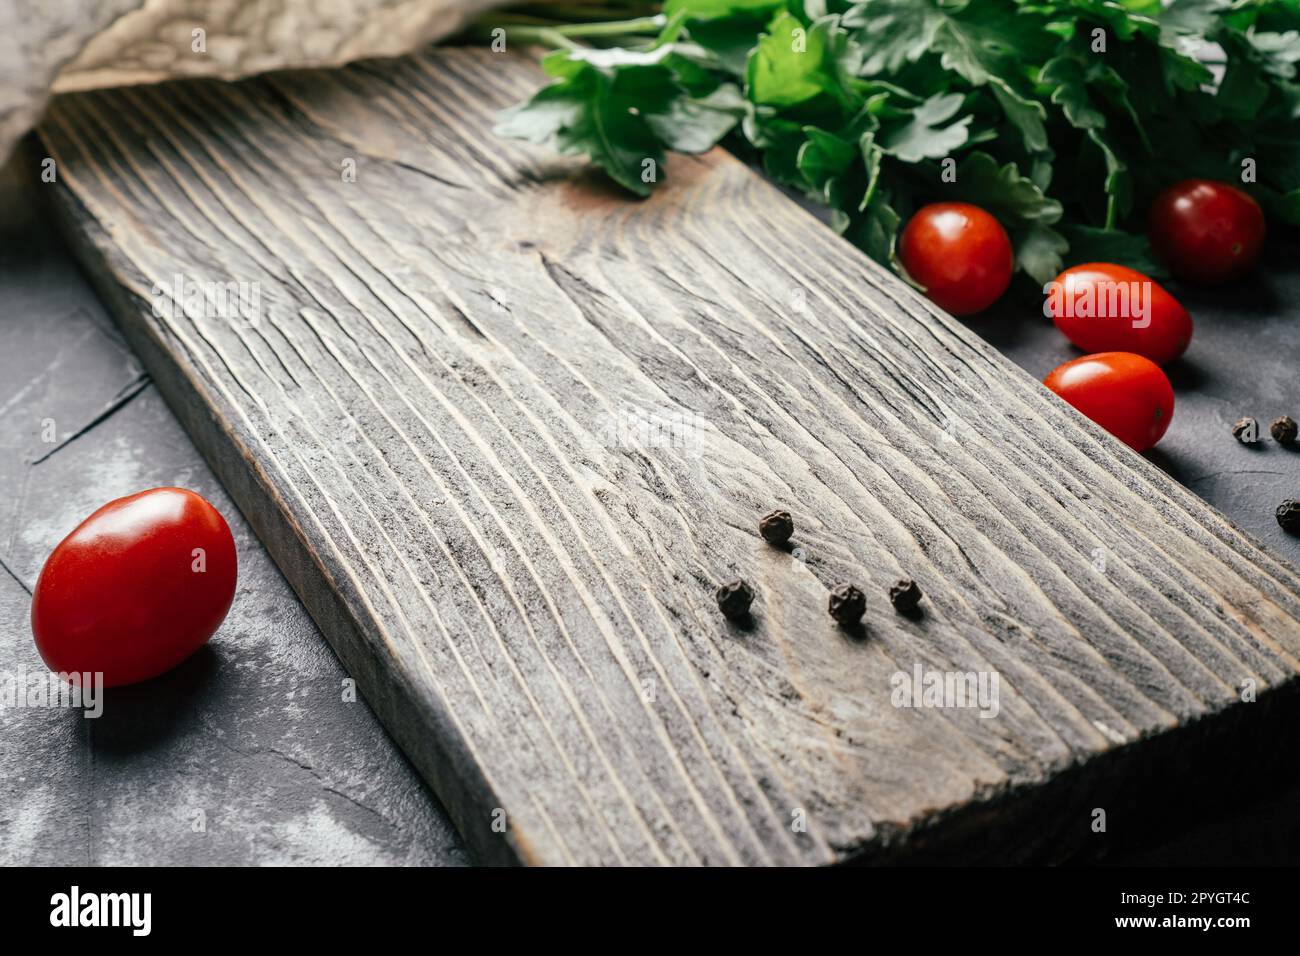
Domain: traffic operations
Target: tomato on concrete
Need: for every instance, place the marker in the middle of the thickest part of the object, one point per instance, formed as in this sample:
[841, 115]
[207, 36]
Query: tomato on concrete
[1126, 394]
[1206, 231]
[1103, 307]
[136, 588]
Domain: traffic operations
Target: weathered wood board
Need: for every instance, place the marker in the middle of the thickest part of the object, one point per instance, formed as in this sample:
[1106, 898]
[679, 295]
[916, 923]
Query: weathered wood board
[504, 430]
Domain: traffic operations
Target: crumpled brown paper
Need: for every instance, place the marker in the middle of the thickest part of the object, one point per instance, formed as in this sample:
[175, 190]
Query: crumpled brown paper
[55, 46]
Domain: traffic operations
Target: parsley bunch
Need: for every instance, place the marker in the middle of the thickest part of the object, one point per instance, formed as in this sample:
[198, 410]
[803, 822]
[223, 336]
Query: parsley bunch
[1063, 118]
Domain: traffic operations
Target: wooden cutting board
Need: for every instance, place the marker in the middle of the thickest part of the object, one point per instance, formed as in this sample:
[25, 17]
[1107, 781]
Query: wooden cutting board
[504, 430]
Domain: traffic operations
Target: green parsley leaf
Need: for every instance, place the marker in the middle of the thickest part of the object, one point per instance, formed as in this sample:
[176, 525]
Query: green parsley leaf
[928, 134]
[1063, 118]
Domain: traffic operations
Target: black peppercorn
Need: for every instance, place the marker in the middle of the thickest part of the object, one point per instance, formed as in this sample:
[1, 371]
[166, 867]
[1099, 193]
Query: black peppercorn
[905, 595]
[776, 527]
[1284, 430]
[1288, 516]
[1246, 431]
[847, 604]
[734, 599]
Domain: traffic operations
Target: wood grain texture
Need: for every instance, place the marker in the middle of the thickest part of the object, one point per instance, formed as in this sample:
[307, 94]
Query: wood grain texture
[504, 430]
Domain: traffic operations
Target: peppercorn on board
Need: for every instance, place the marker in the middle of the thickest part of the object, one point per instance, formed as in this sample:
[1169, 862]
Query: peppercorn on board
[505, 430]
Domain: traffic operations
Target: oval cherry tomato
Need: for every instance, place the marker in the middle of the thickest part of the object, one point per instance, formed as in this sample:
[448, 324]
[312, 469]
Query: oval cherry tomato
[1126, 394]
[960, 254]
[1102, 307]
[1206, 231]
[136, 588]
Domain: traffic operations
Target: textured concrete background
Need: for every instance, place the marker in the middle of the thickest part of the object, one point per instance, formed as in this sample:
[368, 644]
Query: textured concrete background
[248, 754]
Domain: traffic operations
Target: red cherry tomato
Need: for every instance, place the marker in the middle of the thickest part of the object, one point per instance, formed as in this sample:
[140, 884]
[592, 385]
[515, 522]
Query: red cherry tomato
[136, 588]
[1102, 307]
[1206, 231]
[1126, 394]
[960, 254]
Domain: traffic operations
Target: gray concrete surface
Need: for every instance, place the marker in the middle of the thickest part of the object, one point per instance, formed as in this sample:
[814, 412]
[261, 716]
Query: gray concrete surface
[246, 754]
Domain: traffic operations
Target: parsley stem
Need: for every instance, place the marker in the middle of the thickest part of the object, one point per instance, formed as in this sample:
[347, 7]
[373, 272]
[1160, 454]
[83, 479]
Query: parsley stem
[550, 35]
[615, 28]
